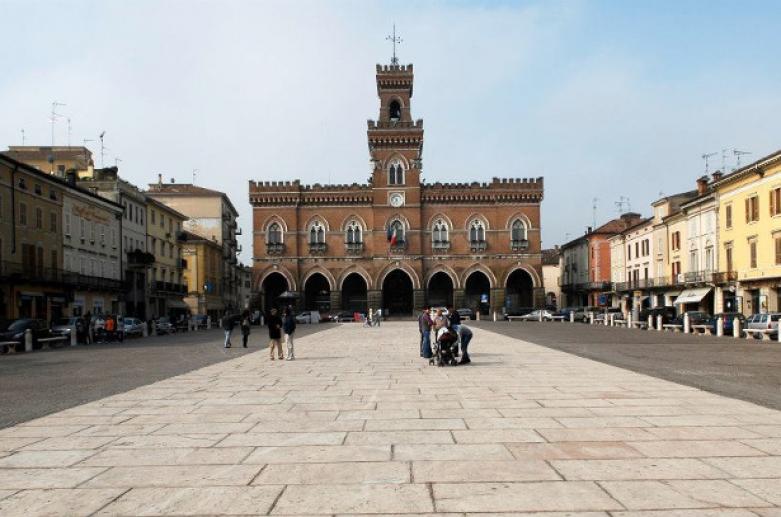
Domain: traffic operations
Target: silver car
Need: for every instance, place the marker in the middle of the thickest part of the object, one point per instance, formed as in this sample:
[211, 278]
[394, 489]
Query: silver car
[64, 326]
[768, 321]
[133, 327]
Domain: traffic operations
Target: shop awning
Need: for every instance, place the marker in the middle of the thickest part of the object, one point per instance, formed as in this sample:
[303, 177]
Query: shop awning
[672, 294]
[692, 295]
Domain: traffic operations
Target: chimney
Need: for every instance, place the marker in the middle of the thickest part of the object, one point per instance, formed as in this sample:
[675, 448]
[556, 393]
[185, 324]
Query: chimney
[702, 185]
[717, 175]
[589, 230]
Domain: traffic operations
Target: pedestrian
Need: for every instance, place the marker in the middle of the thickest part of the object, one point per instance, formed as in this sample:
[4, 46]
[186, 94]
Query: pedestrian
[378, 317]
[289, 327]
[424, 326]
[245, 327]
[228, 322]
[455, 321]
[465, 336]
[274, 323]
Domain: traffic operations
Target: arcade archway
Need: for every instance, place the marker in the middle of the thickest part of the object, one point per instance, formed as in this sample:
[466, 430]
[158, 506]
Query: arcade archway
[519, 291]
[317, 293]
[273, 285]
[397, 293]
[440, 290]
[477, 292]
[354, 293]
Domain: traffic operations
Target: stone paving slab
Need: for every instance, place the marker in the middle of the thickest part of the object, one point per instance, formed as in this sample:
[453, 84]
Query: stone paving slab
[359, 425]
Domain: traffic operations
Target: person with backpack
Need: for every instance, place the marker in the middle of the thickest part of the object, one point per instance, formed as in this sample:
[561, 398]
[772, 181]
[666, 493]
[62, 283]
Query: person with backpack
[289, 327]
[274, 323]
[245, 327]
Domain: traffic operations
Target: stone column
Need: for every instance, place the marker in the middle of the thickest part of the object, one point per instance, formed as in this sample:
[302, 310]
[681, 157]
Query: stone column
[718, 300]
[418, 299]
[336, 301]
[497, 300]
[539, 297]
[458, 298]
[374, 300]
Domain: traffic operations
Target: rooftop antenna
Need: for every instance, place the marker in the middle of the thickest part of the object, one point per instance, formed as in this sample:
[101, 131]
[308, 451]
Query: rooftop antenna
[195, 171]
[117, 159]
[395, 40]
[53, 117]
[594, 211]
[22, 136]
[724, 159]
[102, 148]
[738, 154]
[623, 202]
[84, 141]
[69, 131]
[707, 157]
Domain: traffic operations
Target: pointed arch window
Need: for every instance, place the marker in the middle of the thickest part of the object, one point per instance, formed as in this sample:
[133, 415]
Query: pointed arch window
[317, 233]
[477, 235]
[396, 173]
[440, 234]
[519, 235]
[274, 234]
[394, 110]
[396, 236]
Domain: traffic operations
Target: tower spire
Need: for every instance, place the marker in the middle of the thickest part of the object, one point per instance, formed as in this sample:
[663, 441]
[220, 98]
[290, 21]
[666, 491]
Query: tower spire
[395, 40]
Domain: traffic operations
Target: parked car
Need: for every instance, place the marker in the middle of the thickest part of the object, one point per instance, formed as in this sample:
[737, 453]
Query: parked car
[343, 316]
[308, 317]
[668, 314]
[517, 311]
[581, 313]
[768, 321]
[728, 318]
[695, 318]
[466, 313]
[133, 327]
[14, 330]
[165, 326]
[616, 312]
[64, 326]
[535, 316]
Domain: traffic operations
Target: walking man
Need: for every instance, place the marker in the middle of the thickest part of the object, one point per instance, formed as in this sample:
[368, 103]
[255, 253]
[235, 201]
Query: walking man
[228, 322]
[289, 327]
[424, 326]
[245, 327]
[275, 334]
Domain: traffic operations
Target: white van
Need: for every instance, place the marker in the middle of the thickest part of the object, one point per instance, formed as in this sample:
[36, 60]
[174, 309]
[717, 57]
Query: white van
[308, 317]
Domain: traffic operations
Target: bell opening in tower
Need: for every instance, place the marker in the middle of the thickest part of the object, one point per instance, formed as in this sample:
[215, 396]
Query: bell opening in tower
[395, 111]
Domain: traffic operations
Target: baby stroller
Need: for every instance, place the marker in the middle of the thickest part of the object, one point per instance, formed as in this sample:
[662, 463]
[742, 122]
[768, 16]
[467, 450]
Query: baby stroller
[445, 348]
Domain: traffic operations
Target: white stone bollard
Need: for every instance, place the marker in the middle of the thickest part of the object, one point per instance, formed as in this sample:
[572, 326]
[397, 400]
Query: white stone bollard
[607, 319]
[659, 325]
[590, 318]
[478, 315]
[736, 327]
[686, 323]
[494, 316]
[651, 322]
[720, 327]
[572, 316]
[612, 320]
[28, 340]
[539, 318]
[208, 322]
[154, 328]
[73, 337]
[629, 320]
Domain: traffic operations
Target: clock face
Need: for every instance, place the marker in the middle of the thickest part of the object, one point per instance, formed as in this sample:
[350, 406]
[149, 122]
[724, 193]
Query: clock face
[396, 199]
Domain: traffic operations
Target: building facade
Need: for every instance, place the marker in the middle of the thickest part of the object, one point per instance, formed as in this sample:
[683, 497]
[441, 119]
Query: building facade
[203, 259]
[395, 242]
[165, 285]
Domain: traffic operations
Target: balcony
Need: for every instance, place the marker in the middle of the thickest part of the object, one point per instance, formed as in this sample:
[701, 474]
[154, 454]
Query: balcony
[94, 283]
[394, 124]
[520, 245]
[275, 248]
[725, 277]
[477, 246]
[168, 288]
[440, 246]
[317, 248]
[353, 248]
[398, 248]
[599, 286]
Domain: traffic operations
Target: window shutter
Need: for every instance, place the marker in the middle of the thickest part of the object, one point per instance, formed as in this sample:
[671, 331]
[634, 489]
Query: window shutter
[748, 210]
[772, 202]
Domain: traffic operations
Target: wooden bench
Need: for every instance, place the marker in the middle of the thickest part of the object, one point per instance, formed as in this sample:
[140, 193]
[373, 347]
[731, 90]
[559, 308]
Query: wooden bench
[702, 330]
[757, 333]
[674, 327]
[513, 318]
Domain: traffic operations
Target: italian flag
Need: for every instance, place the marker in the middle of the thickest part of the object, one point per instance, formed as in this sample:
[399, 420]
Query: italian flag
[392, 238]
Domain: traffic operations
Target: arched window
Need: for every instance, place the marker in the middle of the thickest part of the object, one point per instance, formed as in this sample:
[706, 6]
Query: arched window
[439, 233]
[353, 233]
[395, 174]
[477, 231]
[274, 234]
[396, 228]
[518, 231]
[394, 111]
[316, 233]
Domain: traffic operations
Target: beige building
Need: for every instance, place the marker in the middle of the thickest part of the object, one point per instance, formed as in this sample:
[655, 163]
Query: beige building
[203, 275]
[55, 160]
[551, 273]
[212, 216]
[166, 287]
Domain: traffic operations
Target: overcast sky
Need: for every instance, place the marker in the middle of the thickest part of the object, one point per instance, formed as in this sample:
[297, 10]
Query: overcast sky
[603, 99]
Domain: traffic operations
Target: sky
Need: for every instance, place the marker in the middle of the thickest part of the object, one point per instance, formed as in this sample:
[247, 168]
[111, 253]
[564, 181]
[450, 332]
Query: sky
[604, 99]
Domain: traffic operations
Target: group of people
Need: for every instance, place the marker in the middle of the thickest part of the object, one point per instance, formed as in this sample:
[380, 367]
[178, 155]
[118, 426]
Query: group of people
[87, 330]
[436, 323]
[277, 326]
[373, 318]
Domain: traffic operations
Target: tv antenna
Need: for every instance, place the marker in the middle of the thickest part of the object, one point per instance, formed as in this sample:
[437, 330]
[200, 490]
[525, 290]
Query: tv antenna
[22, 136]
[53, 117]
[195, 173]
[594, 211]
[395, 40]
[724, 160]
[706, 157]
[84, 142]
[738, 154]
[623, 202]
[69, 131]
[102, 148]
[117, 159]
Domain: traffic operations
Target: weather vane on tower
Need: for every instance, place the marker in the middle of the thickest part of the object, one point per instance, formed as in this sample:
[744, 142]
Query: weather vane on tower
[395, 40]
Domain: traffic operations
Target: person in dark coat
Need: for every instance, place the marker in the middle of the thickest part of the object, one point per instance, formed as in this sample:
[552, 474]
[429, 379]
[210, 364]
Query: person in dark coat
[289, 327]
[245, 327]
[466, 337]
[228, 322]
[424, 326]
[275, 334]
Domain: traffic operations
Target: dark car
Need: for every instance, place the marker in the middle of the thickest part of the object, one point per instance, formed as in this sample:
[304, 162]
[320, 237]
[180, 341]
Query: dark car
[695, 318]
[466, 313]
[518, 311]
[14, 331]
[668, 314]
[728, 318]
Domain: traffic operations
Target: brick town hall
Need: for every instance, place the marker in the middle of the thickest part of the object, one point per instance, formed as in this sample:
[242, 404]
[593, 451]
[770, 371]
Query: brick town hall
[475, 245]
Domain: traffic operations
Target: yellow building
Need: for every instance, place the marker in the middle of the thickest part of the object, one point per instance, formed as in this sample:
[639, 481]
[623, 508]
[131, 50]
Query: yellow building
[203, 275]
[166, 287]
[750, 233]
[55, 160]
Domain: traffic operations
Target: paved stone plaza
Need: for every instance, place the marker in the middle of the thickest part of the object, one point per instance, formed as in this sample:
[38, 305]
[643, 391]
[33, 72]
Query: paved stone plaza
[359, 424]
